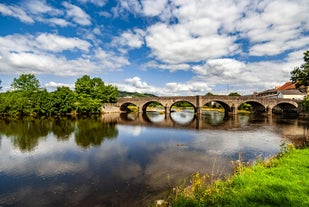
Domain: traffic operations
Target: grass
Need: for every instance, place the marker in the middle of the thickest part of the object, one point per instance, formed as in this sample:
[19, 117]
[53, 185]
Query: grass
[279, 181]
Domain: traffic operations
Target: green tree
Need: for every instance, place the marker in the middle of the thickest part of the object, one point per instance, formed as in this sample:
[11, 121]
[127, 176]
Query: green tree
[62, 100]
[300, 75]
[91, 93]
[27, 98]
[234, 94]
[209, 94]
[26, 82]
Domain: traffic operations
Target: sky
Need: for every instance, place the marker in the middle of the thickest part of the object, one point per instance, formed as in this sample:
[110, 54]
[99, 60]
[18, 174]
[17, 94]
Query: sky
[162, 47]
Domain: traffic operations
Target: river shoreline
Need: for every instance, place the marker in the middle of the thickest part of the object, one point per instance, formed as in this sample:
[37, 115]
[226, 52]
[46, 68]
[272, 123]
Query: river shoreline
[272, 182]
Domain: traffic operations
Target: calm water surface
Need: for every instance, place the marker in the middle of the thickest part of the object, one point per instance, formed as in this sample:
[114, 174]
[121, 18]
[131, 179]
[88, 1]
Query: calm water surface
[128, 159]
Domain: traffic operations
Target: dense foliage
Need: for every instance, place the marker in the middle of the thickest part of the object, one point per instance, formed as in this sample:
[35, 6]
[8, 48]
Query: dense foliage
[300, 75]
[28, 98]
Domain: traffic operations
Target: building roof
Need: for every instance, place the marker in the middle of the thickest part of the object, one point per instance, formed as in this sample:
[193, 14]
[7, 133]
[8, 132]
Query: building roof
[286, 86]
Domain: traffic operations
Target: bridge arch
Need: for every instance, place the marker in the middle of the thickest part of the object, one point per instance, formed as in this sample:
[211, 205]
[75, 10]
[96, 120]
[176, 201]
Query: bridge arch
[227, 108]
[257, 106]
[145, 105]
[179, 101]
[124, 106]
[285, 107]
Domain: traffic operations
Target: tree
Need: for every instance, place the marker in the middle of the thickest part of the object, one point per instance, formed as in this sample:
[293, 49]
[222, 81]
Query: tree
[91, 93]
[83, 86]
[234, 94]
[300, 75]
[0, 85]
[209, 94]
[62, 100]
[26, 82]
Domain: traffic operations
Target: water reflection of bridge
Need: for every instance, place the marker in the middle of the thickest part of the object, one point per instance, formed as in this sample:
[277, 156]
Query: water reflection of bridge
[214, 120]
[295, 130]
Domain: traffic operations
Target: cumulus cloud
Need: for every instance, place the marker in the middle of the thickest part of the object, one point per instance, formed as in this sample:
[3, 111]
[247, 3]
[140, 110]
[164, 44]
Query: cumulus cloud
[57, 43]
[170, 67]
[175, 44]
[95, 2]
[77, 14]
[109, 60]
[129, 40]
[247, 76]
[41, 7]
[42, 54]
[274, 27]
[54, 85]
[220, 67]
[57, 22]
[153, 7]
[136, 84]
[44, 41]
[136, 81]
[16, 12]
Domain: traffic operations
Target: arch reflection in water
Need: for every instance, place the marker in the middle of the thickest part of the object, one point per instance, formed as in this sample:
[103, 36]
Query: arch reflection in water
[183, 117]
[154, 116]
[213, 117]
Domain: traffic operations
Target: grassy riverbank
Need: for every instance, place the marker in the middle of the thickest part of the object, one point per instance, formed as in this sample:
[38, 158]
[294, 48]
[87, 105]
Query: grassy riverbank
[279, 181]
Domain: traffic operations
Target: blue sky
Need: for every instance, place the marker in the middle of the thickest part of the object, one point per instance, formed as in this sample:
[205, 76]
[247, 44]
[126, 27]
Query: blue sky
[163, 47]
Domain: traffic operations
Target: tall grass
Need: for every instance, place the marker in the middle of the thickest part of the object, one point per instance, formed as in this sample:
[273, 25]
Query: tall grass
[279, 181]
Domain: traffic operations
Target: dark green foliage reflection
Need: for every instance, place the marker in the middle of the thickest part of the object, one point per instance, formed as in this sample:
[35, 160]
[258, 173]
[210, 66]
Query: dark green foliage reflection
[26, 133]
[92, 132]
[62, 128]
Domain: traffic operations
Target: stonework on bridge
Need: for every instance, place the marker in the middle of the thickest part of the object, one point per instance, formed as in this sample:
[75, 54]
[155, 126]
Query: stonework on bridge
[229, 103]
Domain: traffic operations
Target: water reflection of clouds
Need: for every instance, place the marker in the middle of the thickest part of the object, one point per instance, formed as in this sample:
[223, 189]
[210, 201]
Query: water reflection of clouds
[133, 130]
[232, 142]
[49, 150]
[183, 117]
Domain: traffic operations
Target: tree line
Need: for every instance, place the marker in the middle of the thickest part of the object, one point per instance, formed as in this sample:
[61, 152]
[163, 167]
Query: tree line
[27, 97]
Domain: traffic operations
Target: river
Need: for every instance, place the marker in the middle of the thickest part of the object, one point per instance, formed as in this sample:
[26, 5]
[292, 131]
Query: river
[129, 159]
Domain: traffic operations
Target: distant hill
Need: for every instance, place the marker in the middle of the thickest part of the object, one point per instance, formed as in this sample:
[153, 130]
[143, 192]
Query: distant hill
[123, 94]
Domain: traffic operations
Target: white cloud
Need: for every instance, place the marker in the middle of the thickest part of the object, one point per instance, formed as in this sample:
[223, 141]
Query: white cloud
[274, 27]
[105, 14]
[31, 54]
[137, 82]
[44, 41]
[170, 67]
[16, 12]
[221, 68]
[40, 7]
[153, 7]
[175, 44]
[95, 2]
[57, 21]
[77, 14]
[57, 43]
[129, 39]
[110, 61]
[247, 77]
[54, 85]
[189, 88]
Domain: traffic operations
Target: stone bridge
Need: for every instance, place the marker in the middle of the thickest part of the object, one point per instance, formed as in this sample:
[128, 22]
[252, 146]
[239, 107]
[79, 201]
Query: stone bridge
[229, 103]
